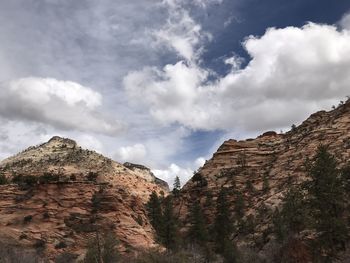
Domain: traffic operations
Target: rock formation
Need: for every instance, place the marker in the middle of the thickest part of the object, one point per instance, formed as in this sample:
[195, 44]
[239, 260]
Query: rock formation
[63, 193]
[147, 174]
[262, 168]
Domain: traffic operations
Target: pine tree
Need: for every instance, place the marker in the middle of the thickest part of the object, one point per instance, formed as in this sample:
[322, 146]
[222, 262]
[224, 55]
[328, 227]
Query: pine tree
[266, 185]
[169, 232]
[239, 206]
[223, 227]
[155, 213]
[198, 233]
[249, 187]
[3, 179]
[293, 215]
[177, 186]
[326, 201]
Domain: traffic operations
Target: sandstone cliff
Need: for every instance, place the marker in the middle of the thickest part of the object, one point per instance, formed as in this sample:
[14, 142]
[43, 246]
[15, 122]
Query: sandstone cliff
[74, 191]
[276, 159]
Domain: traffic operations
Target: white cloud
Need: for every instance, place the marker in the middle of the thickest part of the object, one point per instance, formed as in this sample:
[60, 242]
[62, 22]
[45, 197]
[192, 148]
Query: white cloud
[134, 154]
[293, 72]
[199, 3]
[62, 104]
[181, 33]
[184, 173]
[345, 21]
[199, 162]
[171, 93]
[171, 172]
[90, 142]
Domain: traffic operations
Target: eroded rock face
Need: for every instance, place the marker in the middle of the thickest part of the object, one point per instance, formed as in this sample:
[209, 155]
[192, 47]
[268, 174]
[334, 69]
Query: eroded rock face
[276, 158]
[147, 174]
[89, 191]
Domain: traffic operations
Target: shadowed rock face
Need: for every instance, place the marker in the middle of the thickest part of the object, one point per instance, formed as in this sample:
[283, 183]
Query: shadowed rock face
[75, 192]
[276, 158]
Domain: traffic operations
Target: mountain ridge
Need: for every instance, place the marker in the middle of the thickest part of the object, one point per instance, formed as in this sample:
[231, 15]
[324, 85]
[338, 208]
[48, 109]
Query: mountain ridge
[262, 169]
[59, 193]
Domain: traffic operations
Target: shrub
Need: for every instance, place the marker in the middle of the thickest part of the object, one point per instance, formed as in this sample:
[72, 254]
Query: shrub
[60, 245]
[92, 176]
[66, 257]
[39, 244]
[102, 247]
[22, 236]
[139, 220]
[27, 219]
[199, 179]
[46, 215]
[48, 178]
[73, 177]
[3, 179]
[96, 200]
[25, 180]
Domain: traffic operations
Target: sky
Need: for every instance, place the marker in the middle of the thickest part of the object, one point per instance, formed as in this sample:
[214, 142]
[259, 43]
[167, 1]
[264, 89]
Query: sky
[164, 82]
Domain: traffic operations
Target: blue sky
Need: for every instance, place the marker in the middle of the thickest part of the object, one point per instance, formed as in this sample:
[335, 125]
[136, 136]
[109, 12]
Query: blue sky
[165, 82]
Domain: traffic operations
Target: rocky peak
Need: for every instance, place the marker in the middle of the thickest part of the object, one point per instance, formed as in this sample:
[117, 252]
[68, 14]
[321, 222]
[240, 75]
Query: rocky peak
[72, 192]
[59, 141]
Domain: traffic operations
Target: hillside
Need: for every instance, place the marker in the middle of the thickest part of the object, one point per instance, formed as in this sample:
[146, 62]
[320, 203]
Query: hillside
[59, 194]
[262, 169]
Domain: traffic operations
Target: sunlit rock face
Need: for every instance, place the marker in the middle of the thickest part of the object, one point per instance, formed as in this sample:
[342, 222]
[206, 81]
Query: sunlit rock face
[73, 193]
[277, 159]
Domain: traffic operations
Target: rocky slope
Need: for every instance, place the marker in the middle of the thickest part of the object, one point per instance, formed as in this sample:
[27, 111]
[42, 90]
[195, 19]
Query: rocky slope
[74, 192]
[276, 159]
[147, 174]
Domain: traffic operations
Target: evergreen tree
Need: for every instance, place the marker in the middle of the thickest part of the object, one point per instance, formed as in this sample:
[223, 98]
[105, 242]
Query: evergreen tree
[177, 186]
[326, 202]
[169, 232]
[155, 213]
[223, 227]
[198, 231]
[239, 206]
[293, 215]
[229, 252]
[345, 175]
[3, 179]
[249, 186]
[266, 185]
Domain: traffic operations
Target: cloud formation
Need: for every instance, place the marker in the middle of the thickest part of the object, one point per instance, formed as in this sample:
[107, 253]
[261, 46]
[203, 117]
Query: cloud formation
[292, 72]
[345, 21]
[64, 105]
[134, 154]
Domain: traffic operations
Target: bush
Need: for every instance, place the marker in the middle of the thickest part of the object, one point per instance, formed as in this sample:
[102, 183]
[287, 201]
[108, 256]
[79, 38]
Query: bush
[66, 257]
[96, 200]
[25, 180]
[48, 178]
[23, 236]
[191, 255]
[139, 220]
[92, 176]
[73, 177]
[46, 215]
[3, 179]
[102, 247]
[60, 245]
[40, 244]
[199, 179]
[27, 219]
